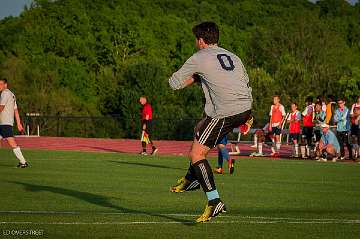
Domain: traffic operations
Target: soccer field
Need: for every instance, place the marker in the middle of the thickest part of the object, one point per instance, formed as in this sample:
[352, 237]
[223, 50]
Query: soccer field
[109, 195]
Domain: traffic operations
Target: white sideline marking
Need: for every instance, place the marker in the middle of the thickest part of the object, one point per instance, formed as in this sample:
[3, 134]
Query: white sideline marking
[175, 222]
[242, 219]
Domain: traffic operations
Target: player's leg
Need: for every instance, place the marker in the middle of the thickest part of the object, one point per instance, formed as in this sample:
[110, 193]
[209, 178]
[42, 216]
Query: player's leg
[223, 153]
[205, 138]
[309, 142]
[149, 130]
[17, 151]
[220, 160]
[187, 183]
[340, 138]
[348, 145]
[6, 131]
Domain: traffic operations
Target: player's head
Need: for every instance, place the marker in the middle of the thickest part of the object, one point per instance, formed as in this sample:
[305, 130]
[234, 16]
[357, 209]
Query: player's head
[318, 107]
[3, 84]
[276, 99]
[356, 111]
[331, 98]
[341, 102]
[294, 106]
[325, 128]
[143, 100]
[206, 33]
[309, 100]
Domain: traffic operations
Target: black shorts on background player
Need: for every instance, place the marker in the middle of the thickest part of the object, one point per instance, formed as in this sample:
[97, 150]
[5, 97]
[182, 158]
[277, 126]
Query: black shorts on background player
[6, 131]
[276, 130]
[307, 133]
[294, 137]
[208, 131]
[317, 133]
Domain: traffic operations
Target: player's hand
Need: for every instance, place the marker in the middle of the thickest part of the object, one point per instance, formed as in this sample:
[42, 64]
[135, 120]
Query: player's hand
[20, 128]
[270, 129]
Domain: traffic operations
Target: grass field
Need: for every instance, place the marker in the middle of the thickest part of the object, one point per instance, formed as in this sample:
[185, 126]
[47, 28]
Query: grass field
[108, 195]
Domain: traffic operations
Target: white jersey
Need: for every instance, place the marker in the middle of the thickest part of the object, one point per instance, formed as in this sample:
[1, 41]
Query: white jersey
[8, 100]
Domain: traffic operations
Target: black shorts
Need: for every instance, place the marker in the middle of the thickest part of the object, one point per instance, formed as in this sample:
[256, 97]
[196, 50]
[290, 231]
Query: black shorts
[149, 126]
[6, 131]
[208, 131]
[317, 135]
[355, 130]
[276, 130]
[307, 132]
[294, 137]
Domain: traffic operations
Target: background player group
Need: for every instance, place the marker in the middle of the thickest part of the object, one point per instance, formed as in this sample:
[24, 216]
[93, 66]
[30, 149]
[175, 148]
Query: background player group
[327, 127]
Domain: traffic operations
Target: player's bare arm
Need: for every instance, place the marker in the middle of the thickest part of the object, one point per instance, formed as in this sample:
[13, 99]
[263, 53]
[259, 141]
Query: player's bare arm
[18, 121]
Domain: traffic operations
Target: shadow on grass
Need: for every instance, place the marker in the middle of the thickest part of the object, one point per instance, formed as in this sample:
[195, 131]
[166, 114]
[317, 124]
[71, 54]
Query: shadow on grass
[95, 199]
[146, 165]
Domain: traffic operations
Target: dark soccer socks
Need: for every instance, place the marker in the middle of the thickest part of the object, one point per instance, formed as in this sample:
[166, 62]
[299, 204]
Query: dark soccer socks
[191, 174]
[143, 144]
[206, 179]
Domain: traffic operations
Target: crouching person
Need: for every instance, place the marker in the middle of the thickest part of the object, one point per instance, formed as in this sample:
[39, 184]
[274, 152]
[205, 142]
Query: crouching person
[329, 146]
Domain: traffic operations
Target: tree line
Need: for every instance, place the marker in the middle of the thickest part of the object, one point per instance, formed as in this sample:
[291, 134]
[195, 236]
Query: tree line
[96, 58]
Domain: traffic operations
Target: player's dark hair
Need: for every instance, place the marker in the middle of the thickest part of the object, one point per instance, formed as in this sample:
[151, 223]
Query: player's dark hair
[4, 80]
[331, 97]
[341, 98]
[208, 31]
[309, 99]
[294, 103]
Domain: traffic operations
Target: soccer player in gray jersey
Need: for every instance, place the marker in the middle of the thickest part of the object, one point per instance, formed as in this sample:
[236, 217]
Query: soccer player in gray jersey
[8, 110]
[228, 105]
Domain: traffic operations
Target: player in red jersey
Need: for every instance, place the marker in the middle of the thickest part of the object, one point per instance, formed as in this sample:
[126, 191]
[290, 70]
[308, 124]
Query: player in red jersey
[294, 128]
[146, 124]
[277, 113]
[308, 128]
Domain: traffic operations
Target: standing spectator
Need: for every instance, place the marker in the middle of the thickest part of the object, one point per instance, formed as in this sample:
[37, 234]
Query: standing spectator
[330, 113]
[342, 119]
[308, 128]
[277, 113]
[146, 124]
[355, 131]
[319, 119]
[294, 128]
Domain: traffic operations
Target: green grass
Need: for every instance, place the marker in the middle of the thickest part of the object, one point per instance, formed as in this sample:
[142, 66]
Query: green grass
[265, 199]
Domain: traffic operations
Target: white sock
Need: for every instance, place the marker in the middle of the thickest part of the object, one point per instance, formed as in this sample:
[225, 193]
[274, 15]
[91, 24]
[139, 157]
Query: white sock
[303, 151]
[273, 149]
[255, 140]
[296, 149]
[308, 150]
[19, 155]
[278, 145]
[260, 145]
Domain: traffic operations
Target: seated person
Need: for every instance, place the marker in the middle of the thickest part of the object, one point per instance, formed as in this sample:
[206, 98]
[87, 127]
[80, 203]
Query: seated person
[329, 146]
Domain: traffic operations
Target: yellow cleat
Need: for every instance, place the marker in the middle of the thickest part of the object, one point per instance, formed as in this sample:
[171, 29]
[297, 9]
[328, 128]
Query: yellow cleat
[183, 185]
[211, 211]
[218, 170]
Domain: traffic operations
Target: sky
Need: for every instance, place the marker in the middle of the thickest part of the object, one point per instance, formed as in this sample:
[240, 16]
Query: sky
[12, 7]
[15, 7]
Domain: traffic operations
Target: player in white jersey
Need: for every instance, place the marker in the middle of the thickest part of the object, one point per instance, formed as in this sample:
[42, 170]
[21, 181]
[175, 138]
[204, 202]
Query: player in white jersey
[9, 111]
[225, 84]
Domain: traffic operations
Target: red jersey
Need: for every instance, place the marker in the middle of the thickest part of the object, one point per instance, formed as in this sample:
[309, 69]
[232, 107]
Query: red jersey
[308, 116]
[277, 113]
[295, 120]
[147, 110]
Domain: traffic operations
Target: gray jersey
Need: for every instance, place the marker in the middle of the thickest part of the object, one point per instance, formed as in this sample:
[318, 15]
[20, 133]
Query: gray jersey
[8, 100]
[223, 79]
